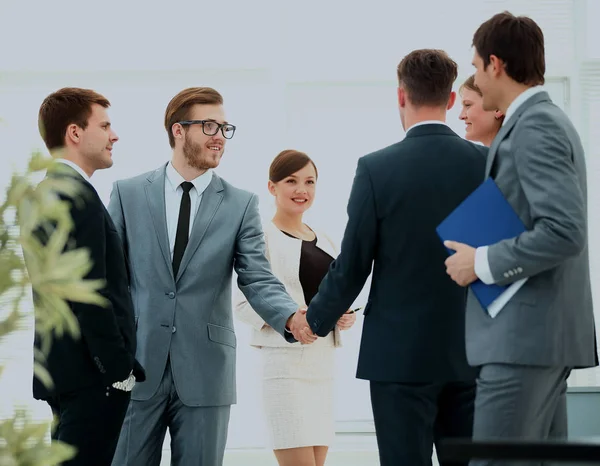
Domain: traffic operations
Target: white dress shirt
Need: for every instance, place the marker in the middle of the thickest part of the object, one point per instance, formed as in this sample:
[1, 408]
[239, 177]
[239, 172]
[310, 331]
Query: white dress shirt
[482, 266]
[75, 167]
[426, 122]
[173, 193]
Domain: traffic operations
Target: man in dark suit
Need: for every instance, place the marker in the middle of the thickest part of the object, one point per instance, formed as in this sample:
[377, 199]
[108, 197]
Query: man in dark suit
[92, 375]
[413, 342]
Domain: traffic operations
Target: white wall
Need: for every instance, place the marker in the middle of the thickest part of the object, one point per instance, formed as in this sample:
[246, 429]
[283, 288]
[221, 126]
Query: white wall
[319, 77]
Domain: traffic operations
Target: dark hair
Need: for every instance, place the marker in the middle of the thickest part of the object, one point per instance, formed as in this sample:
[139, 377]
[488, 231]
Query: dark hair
[180, 105]
[516, 40]
[67, 106]
[287, 163]
[427, 76]
[470, 84]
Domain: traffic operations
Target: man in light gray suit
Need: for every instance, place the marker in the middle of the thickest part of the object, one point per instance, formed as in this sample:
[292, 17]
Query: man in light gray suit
[527, 351]
[184, 230]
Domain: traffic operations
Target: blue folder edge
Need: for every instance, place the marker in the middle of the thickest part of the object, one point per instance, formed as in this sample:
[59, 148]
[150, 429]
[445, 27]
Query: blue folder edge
[485, 217]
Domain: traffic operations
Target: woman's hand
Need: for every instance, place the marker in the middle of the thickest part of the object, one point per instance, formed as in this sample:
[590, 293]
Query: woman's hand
[346, 321]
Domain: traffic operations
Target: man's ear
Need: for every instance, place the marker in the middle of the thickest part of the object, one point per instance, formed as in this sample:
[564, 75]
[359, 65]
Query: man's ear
[177, 131]
[451, 100]
[401, 97]
[497, 65]
[73, 133]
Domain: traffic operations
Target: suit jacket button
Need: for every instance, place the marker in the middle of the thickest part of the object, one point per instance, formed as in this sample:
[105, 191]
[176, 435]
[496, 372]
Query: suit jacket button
[506, 275]
[519, 269]
[174, 329]
[172, 295]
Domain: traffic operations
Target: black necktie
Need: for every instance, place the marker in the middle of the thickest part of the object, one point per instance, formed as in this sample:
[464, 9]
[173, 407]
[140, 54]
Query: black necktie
[183, 226]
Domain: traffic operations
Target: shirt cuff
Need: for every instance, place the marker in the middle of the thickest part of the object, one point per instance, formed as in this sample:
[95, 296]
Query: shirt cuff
[482, 266]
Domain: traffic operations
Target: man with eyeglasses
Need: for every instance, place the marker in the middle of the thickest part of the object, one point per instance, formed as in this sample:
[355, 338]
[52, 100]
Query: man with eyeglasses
[184, 230]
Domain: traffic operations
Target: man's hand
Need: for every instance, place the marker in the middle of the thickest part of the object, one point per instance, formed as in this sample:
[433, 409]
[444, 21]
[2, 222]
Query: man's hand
[461, 265]
[298, 325]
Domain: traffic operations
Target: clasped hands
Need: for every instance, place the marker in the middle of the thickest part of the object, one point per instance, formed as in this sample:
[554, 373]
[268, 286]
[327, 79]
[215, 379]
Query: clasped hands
[298, 325]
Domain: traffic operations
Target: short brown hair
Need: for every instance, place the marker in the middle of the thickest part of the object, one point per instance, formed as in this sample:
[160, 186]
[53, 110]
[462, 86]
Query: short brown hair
[180, 105]
[470, 84]
[67, 106]
[287, 163]
[427, 76]
[516, 40]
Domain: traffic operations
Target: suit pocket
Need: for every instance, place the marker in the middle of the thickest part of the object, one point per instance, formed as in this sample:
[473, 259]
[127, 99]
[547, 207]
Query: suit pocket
[222, 335]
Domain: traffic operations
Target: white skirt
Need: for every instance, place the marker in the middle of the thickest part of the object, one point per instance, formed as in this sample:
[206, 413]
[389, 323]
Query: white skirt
[298, 395]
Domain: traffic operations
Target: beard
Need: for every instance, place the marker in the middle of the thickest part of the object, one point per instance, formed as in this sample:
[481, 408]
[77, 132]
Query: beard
[200, 157]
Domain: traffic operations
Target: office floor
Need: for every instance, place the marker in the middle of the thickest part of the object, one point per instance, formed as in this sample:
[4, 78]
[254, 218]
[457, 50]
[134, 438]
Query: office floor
[349, 450]
[266, 458]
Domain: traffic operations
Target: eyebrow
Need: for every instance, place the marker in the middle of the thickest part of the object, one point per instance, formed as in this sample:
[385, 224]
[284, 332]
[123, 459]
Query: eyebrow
[105, 123]
[212, 119]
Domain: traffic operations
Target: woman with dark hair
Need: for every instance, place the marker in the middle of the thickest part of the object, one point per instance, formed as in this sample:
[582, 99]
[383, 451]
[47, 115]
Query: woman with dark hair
[297, 379]
[482, 126]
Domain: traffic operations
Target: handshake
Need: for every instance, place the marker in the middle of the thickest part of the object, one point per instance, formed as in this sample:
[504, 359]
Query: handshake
[298, 325]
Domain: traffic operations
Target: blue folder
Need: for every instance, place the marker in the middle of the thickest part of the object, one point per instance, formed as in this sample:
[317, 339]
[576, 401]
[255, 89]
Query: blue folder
[485, 217]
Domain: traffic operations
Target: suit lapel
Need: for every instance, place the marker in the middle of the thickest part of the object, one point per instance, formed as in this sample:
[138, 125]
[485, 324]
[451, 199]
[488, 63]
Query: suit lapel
[496, 142]
[210, 202]
[508, 125]
[155, 194]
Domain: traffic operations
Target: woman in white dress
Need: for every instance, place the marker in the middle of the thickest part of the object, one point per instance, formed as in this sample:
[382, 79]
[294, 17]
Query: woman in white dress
[297, 379]
[481, 125]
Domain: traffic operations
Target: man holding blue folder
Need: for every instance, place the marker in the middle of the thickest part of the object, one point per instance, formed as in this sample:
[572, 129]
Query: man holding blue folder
[526, 352]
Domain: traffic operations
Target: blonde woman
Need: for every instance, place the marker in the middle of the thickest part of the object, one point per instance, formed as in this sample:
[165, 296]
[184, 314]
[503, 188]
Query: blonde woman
[482, 126]
[297, 379]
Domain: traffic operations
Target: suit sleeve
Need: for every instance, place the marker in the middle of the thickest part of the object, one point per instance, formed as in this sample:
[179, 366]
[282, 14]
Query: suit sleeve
[98, 325]
[349, 271]
[549, 180]
[243, 310]
[263, 291]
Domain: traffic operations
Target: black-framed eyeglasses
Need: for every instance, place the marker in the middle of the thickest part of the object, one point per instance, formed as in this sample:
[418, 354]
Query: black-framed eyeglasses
[211, 127]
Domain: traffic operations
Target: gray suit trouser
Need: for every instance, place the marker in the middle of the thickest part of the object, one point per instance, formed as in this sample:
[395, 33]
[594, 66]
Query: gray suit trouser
[198, 434]
[520, 402]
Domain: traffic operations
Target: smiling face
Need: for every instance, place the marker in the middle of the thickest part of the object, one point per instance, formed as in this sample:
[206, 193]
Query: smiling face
[481, 125]
[295, 193]
[488, 80]
[202, 151]
[94, 143]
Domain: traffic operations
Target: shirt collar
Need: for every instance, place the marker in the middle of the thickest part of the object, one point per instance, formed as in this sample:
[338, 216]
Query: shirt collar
[75, 167]
[426, 122]
[520, 100]
[175, 179]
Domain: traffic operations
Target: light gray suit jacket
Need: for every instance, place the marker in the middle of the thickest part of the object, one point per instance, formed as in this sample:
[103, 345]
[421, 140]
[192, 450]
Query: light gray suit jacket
[190, 316]
[538, 162]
